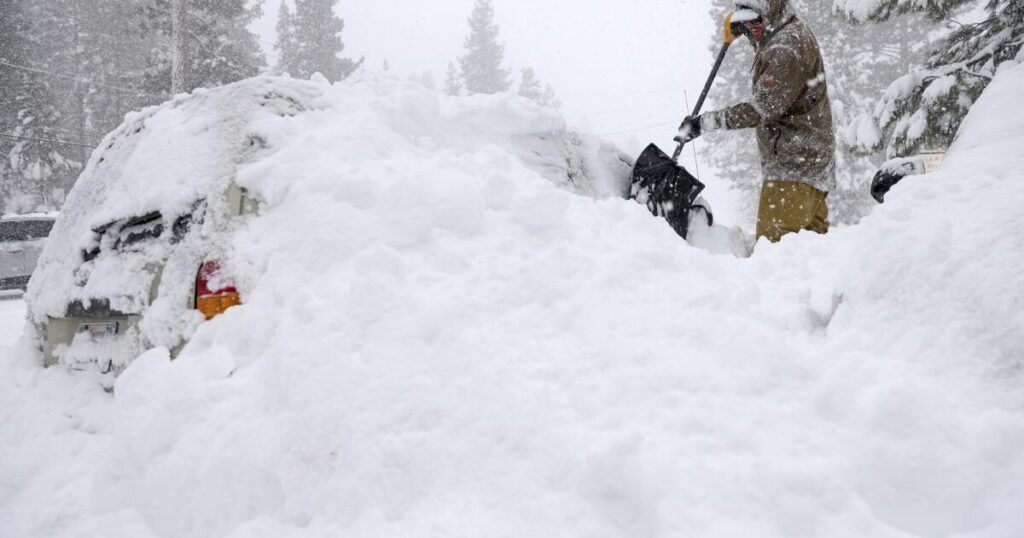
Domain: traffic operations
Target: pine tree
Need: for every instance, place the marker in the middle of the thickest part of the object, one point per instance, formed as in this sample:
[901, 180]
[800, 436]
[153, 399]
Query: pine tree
[452, 81]
[287, 46]
[31, 151]
[924, 109]
[318, 32]
[482, 69]
[97, 63]
[549, 99]
[221, 47]
[530, 88]
[88, 61]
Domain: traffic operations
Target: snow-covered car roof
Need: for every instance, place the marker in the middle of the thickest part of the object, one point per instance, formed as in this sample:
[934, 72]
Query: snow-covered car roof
[166, 157]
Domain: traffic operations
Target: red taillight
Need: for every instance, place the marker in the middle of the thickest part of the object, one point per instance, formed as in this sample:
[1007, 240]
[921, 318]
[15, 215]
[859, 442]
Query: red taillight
[214, 295]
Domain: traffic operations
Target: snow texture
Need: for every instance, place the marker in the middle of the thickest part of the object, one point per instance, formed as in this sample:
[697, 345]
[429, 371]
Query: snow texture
[904, 166]
[898, 91]
[438, 341]
[863, 133]
[12, 317]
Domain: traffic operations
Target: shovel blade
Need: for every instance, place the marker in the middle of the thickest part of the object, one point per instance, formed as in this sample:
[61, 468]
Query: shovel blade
[666, 188]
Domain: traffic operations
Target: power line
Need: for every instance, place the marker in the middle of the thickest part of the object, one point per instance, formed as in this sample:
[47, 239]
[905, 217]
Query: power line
[696, 164]
[53, 129]
[638, 129]
[641, 92]
[72, 77]
[15, 137]
[659, 106]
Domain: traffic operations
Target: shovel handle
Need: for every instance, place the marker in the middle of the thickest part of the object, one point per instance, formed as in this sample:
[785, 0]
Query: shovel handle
[704, 94]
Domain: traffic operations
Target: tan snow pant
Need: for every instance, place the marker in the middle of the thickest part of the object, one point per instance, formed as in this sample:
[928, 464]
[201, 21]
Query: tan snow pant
[788, 207]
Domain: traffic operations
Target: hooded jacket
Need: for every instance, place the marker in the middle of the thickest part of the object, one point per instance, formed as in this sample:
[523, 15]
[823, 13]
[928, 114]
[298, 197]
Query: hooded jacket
[790, 110]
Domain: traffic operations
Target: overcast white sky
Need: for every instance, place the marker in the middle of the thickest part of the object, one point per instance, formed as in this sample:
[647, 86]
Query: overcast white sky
[617, 65]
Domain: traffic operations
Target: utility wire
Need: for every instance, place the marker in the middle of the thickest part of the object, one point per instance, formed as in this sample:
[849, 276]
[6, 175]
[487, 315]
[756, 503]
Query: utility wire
[657, 106]
[608, 94]
[72, 77]
[53, 129]
[637, 129]
[16, 137]
[696, 165]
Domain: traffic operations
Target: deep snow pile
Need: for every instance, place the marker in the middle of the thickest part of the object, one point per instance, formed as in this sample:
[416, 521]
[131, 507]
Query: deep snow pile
[438, 341]
[154, 193]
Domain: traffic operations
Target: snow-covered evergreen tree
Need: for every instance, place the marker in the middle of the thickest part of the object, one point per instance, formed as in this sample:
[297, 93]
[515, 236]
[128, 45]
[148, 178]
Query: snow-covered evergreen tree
[452, 81]
[549, 98]
[95, 61]
[318, 32]
[924, 109]
[482, 70]
[222, 49]
[32, 158]
[286, 45]
[530, 88]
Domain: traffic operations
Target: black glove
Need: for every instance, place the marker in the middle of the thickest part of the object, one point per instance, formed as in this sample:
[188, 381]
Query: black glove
[892, 172]
[881, 184]
[688, 130]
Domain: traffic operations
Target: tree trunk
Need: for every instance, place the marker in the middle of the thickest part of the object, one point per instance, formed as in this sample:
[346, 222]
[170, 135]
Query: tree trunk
[903, 29]
[179, 56]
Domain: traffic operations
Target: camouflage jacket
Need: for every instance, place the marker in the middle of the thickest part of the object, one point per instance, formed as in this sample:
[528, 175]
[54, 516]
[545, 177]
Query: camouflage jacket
[790, 109]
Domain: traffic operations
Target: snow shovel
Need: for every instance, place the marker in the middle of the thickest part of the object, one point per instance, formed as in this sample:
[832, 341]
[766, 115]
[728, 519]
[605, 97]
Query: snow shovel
[659, 181]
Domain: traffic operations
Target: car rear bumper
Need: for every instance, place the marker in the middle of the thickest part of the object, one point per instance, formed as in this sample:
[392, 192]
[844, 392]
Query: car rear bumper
[110, 351]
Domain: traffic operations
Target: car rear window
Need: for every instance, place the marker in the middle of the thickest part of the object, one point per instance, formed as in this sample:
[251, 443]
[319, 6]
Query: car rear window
[136, 230]
[123, 234]
[24, 230]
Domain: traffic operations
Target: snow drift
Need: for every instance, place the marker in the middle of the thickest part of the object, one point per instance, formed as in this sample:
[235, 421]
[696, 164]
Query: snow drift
[439, 341]
[168, 168]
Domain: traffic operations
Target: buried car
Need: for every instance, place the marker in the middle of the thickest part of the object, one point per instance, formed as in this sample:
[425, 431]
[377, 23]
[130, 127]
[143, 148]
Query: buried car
[143, 252]
[136, 258]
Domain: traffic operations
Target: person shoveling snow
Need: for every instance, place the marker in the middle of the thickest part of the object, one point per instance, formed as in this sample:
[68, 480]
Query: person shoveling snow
[791, 113]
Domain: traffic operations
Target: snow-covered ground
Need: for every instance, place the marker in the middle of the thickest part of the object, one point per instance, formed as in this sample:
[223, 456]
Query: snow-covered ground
[453, 346]
[12, 317]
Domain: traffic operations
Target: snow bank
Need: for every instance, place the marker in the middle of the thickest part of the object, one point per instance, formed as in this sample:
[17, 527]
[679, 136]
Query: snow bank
[176, 161]
[439, 341]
